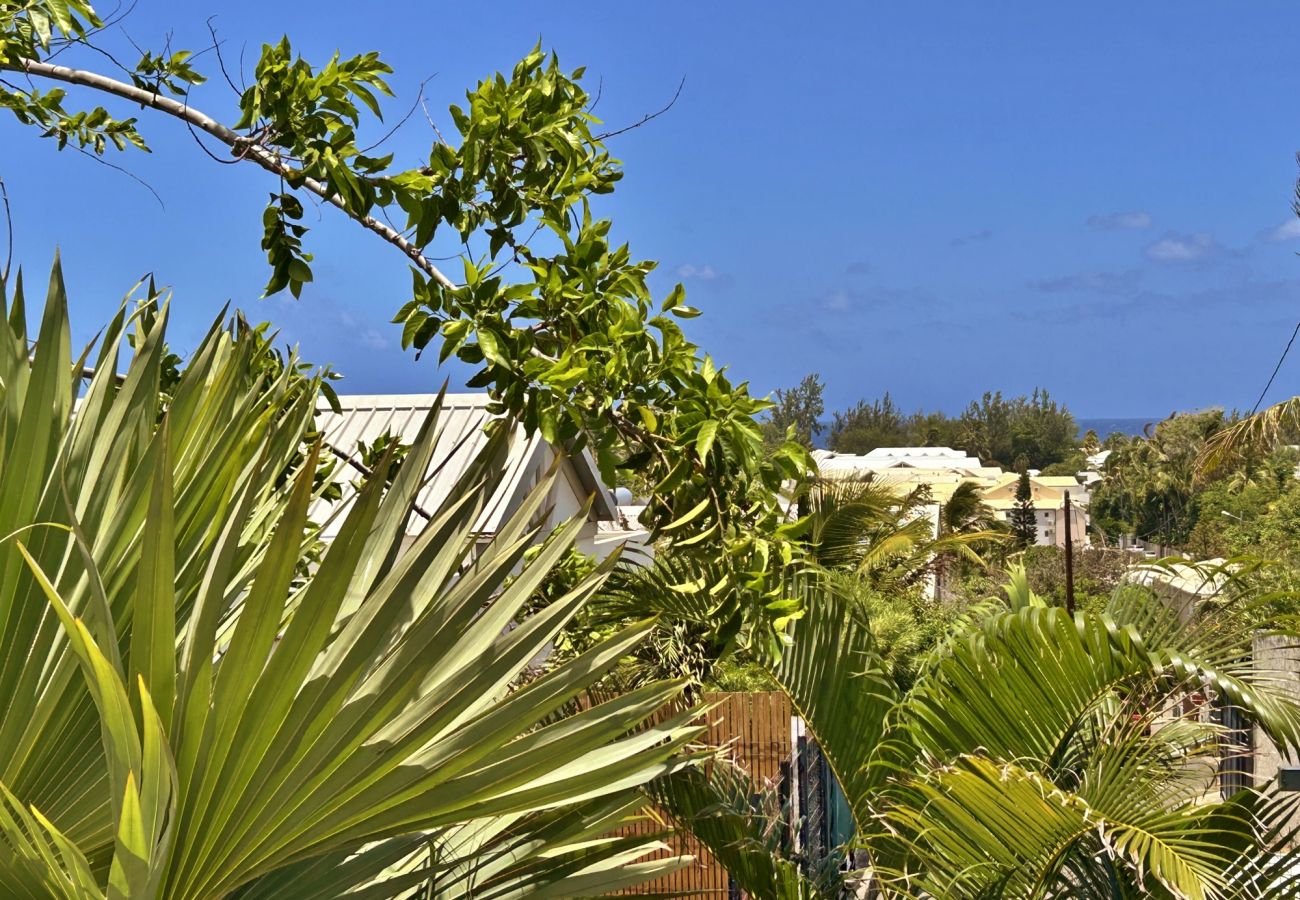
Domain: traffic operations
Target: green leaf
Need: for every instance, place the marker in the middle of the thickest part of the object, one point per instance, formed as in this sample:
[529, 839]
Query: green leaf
[705, 437]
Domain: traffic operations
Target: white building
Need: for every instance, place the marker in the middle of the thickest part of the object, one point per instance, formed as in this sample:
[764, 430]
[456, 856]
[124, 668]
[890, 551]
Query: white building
[942, 469]
[460, 437]
[1048, 494]
[883, 458]
[1096, 466]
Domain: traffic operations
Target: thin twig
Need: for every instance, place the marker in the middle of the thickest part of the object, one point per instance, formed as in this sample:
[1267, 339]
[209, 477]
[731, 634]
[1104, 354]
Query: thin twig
[130, 40]
[429, 119]
[101, 51]
[419, 99]
[647, 117]
[127, 172]
[221, 63]
[112, 19]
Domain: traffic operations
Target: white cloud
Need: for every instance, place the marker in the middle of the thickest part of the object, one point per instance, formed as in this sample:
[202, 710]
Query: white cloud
[1287, 231]
[703, 272]
[1121, 221]
[370, 338]
[837, 301]
[1183, 247]
[852, 301]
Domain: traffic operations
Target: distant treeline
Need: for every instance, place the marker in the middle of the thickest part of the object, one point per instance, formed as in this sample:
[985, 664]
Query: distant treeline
[1027, 432]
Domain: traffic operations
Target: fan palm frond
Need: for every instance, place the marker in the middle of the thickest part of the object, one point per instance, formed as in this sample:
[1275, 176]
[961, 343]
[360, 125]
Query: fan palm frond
[190, 709]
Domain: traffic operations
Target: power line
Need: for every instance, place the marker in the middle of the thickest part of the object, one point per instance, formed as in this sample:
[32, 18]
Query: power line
[1276, 369]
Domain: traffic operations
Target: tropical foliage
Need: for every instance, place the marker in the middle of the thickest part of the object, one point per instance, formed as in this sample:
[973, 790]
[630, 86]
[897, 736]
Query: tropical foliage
[556, 318]
[1149, 484]
[1023, 432]
[200, 698]
[886, 536]
[1035, 755]
[186, 712]
[878, 544]
[1097, 571]
[1023, 518]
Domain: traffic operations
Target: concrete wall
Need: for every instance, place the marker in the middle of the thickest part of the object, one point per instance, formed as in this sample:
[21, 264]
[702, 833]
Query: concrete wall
[1281, 657]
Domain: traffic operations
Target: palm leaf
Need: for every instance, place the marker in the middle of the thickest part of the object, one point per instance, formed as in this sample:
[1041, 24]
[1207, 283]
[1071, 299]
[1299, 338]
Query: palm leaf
[717, 805]
[192, 709]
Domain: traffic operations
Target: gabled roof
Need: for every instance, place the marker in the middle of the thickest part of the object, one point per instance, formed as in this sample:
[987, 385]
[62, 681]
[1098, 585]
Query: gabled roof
[365, 417]
[1062, 481]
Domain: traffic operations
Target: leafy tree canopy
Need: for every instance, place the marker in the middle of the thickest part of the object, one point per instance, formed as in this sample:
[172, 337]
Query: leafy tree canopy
[799, 408]
[553, 312]
[866, 426]
[1034, 430]
[1149, 489]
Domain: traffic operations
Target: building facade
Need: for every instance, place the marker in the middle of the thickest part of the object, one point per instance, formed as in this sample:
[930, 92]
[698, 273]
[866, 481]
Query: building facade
[942, 469]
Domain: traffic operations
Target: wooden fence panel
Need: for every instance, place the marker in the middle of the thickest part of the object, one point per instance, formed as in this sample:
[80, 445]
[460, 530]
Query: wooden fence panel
[756, 729]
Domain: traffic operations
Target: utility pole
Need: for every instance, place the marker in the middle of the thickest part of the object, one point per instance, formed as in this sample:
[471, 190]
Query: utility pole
[1069, 559]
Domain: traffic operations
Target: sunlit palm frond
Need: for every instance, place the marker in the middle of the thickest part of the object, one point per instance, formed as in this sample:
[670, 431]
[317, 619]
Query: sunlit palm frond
[1251, 435]
[191, 709]
[835, 682]
[571, 852]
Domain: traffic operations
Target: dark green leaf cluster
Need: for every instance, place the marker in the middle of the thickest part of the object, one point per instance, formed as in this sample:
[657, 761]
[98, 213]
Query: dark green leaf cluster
[799, 408]
[28, 28]
[1023, 518]
[1150, 485]
[1029, 431]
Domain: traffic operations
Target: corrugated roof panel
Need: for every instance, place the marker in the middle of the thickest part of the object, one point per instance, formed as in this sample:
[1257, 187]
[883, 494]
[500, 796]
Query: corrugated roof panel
[460, 438]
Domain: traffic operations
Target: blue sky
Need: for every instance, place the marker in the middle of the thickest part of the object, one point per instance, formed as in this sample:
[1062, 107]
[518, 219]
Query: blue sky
[929, 199]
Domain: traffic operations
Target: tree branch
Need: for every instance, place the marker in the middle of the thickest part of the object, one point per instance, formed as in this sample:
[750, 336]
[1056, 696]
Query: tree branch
[241, 146]
[9, 230]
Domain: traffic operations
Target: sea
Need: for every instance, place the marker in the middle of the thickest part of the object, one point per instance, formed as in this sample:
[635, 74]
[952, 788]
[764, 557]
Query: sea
[1107, 427]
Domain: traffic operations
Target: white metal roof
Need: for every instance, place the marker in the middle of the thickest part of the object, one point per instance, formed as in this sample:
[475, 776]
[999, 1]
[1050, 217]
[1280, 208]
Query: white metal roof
[883, 458]
[1098, 459]
[915, 453]
[460, 438]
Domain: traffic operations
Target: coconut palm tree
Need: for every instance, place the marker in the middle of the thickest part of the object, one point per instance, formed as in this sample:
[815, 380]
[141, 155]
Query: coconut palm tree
[1250, 436]
[188, 711]
[965, 515]
[887, 537]
[965, 512]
